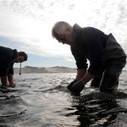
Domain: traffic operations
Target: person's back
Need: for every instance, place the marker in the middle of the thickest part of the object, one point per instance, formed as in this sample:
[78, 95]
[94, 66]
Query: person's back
[89, 43]
[113, 49]
[7, 54]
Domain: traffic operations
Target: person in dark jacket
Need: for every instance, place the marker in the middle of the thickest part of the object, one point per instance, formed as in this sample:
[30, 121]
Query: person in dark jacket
[7, 59]
[105, 55]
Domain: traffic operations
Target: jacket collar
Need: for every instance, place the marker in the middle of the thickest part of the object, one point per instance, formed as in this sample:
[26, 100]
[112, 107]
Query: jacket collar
[76, 30]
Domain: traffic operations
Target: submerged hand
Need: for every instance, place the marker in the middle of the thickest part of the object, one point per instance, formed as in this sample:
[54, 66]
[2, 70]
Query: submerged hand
[71, 84]
[77, 87]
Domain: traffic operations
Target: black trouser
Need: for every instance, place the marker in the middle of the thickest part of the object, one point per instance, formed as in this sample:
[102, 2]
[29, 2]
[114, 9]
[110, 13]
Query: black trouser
[108, 80]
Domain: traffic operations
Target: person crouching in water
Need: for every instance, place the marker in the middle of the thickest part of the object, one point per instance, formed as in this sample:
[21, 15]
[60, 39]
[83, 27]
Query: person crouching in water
[106, 56]
[8, 57]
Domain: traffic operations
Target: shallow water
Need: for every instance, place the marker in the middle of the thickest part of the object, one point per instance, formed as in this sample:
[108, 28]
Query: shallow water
[42, 100]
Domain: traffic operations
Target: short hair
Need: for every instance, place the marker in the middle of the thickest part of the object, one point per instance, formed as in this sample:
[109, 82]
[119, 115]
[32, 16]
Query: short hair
[24, 55]
[59, 28]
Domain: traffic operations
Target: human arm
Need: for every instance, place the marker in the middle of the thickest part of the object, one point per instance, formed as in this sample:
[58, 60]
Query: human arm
[81, 63]
[3, 74]
[10, 74]
[95, 55]
[86, 78]
[93, 47]
[4, 80]
[80, 74]
[10, 79]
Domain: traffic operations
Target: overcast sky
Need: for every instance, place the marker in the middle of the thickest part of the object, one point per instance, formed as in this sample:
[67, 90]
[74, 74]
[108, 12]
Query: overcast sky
[26, 25]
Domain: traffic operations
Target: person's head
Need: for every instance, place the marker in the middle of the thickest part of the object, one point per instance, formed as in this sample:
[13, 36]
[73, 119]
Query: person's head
[21, 57]
[62, 31]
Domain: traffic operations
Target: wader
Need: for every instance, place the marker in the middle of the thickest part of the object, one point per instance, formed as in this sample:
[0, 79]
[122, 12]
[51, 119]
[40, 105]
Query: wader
[115, 58]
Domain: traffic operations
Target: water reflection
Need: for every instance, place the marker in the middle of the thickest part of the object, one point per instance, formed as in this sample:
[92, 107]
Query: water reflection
[97, 108]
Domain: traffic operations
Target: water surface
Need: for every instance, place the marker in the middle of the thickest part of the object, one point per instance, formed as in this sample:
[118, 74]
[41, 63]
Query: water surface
[42, 100]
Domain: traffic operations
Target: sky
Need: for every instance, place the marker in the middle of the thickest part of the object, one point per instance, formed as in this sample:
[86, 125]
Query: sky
[26, 25]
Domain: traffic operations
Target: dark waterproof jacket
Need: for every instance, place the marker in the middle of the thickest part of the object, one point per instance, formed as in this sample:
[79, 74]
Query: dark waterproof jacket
[7, 55]
[92, 44]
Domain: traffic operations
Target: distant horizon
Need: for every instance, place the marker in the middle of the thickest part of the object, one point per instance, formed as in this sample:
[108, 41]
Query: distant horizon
[47, 67]
[125, 68]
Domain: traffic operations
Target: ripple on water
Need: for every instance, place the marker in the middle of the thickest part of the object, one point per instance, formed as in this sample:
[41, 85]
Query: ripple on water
[45, 101]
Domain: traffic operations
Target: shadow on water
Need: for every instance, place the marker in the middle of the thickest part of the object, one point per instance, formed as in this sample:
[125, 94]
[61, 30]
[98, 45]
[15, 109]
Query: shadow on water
[98, 109]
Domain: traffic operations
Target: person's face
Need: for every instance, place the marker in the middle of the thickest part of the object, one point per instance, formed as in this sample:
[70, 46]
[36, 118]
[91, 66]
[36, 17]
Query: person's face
[65, 38]
[19, 59]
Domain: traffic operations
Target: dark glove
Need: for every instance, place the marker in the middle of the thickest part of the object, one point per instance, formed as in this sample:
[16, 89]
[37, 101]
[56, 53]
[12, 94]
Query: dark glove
[71, 84]
[77, 87]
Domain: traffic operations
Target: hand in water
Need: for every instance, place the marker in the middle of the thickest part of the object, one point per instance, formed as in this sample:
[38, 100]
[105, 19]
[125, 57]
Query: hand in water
[71, 84]
[77, 87]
